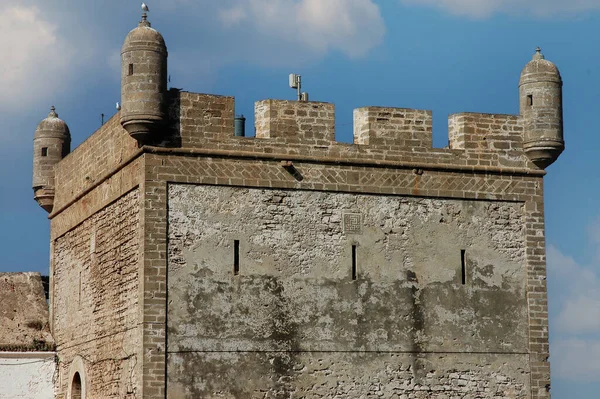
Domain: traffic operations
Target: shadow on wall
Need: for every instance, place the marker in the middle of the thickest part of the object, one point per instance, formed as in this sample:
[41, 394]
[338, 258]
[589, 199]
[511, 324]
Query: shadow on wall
[172, 138]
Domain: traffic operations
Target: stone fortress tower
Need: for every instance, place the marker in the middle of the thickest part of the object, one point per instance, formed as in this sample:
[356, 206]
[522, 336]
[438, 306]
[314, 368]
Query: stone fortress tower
[187, 262]
[540, 91]
[143, 81]
[51, 143]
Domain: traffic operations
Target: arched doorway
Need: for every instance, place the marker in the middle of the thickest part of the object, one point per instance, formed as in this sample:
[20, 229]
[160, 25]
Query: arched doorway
[76, 387]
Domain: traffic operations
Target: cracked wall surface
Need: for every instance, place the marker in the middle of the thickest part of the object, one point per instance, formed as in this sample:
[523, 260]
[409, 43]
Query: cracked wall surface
[294, 322]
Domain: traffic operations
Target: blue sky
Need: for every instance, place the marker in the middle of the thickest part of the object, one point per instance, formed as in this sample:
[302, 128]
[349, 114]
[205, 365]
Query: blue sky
[445, 55]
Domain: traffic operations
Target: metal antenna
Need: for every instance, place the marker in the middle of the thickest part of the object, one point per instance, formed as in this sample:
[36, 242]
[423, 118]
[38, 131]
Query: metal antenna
[296, 83]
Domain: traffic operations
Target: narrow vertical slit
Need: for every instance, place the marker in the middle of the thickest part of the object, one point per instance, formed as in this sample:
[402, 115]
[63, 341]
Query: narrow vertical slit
[353, 262]
[79, 301]
[463, 266]
[130, 69]
[236, 257]
[530, 100]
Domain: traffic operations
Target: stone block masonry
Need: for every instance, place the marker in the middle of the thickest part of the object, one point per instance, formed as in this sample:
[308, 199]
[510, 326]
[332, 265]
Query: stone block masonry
[308, 123]
[393, 127]
[96, 302]
[91, 163]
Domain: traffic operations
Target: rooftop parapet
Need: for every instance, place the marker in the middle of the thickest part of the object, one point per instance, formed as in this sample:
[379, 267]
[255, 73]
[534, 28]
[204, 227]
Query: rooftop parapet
[475, 139]
[199, 117]
[310, 123]
[485, 132]
[393, 127]
[499, 134]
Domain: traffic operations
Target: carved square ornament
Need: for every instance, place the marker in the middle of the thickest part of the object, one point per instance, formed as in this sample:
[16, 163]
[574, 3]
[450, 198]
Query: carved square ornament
[352, 223]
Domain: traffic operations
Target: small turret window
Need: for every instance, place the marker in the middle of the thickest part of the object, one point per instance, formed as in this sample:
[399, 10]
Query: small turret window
[530, 100]
[130, 69]
[44, 151]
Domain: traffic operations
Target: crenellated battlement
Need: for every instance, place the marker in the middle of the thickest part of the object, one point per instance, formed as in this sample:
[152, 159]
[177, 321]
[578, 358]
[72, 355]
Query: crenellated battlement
[380, 133]
[385, 136]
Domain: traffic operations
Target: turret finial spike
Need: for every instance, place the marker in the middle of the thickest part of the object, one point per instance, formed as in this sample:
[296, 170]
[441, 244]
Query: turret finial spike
[52, 113]
[538, 54]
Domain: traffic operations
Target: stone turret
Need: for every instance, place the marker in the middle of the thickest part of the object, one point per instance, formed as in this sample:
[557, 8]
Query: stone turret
[51, 143]
[143, 81]
[540, 91]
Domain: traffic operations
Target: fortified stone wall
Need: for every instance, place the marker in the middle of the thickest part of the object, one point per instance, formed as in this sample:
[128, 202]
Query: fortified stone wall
[24, 321]
[277, 292]
[93, 161]
[392, 159]
[96, 302]
[189, 262]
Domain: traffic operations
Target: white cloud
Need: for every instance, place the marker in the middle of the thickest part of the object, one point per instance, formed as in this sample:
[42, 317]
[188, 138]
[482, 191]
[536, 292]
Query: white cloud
[48, 51]
[35, 58]
[576, 359]
[350, 26]
[581, 314]
[353, 26]
[232, 16]
[574, 294]
[580, 305]
[485, 8]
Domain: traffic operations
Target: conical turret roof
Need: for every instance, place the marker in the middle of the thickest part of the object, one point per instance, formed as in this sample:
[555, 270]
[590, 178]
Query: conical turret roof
[144, 36]
[52, 126]
[539, 69]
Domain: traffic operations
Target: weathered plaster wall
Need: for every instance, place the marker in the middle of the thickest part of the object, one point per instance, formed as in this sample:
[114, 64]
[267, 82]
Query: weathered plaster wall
[244, 375]
[24, 323]
[96, 305]
[294, 323]
[27, 375]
